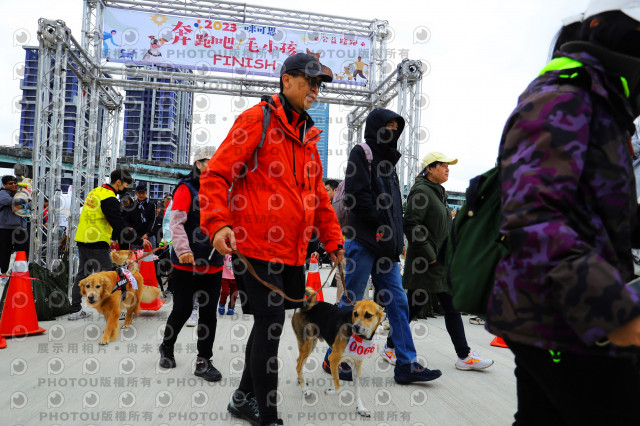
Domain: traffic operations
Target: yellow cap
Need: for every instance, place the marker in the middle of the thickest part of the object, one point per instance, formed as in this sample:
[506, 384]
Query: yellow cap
[437, 156]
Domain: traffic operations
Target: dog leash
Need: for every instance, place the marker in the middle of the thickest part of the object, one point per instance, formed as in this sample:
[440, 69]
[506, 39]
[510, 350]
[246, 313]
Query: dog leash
[126, 265]
[271, 287]
[344, 283]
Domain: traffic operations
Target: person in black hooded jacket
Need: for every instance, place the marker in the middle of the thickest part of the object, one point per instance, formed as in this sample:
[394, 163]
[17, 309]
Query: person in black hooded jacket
[374, 238]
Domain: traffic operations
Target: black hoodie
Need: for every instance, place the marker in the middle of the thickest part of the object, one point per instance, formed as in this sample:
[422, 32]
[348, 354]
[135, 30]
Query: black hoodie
[377, 205]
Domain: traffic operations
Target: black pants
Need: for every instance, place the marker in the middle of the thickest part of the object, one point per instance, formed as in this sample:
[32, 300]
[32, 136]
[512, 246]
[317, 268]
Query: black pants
[12, 240]
[577, 390]
[260, 374]
[452, 319]
[91, 260]
[187, 286]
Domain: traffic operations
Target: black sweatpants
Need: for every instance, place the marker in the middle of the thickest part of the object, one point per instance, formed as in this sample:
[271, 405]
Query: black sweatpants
[12, 240]
[187, 286]
[260, 374]
[574, 389]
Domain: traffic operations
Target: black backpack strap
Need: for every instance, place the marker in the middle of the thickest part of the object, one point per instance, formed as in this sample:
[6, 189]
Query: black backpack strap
[473, 201]
[266, 119]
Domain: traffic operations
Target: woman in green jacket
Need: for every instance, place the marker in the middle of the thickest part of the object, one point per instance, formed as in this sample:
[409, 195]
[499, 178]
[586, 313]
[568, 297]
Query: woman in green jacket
[427, 223]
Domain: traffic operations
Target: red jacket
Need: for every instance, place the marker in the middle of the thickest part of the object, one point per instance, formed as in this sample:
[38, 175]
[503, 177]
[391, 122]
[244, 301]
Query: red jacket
[274, 209]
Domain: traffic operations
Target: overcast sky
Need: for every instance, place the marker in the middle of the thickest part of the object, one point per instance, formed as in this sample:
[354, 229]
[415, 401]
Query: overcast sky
[481, 55]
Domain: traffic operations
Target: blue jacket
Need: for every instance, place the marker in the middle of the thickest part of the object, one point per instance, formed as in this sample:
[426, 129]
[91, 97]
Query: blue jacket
[375, 218]
[8, 219]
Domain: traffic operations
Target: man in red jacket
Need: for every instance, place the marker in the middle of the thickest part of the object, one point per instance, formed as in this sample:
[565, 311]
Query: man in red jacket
[277, 201]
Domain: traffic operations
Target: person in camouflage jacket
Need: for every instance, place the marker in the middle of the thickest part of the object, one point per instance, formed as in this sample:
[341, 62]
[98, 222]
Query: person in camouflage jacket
[570, 213]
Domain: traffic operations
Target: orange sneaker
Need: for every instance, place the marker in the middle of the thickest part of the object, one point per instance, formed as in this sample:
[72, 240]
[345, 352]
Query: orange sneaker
[389, 355]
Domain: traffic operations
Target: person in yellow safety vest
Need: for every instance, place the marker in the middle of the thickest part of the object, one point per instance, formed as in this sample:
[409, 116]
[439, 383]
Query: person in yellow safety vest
[100, 218]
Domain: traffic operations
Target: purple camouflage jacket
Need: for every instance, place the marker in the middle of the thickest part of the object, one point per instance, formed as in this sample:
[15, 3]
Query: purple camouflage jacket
[569, 213]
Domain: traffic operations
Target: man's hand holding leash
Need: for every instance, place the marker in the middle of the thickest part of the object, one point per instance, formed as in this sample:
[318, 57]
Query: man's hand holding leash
[337, 256]
[224, 241]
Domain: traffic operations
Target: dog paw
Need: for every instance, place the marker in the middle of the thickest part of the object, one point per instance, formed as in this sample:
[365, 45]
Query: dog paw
[364, 412]
[103, 342]
[125, 325]
[306, 391]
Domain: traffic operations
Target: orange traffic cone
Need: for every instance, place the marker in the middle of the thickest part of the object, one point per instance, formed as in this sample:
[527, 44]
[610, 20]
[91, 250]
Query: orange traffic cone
[3, 342]
[148, 272]
[313, 277]
[19, 313]
[499, 342]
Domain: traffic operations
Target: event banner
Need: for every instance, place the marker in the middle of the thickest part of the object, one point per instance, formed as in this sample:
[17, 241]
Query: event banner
[242, 49]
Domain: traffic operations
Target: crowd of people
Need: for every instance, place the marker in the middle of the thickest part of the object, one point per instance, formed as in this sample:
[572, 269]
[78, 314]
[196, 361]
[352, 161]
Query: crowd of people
[247, 212]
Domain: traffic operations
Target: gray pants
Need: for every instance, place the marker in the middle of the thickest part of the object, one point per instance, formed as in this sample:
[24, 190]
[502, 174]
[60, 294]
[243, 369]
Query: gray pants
[91, 261]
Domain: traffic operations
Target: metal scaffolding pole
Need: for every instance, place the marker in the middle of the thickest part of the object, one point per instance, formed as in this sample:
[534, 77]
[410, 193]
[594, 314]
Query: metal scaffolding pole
[92, 29]
[409, 79]
[378, 70]
[244, 13]
[47, 150]
[108, 142]
[144, 78]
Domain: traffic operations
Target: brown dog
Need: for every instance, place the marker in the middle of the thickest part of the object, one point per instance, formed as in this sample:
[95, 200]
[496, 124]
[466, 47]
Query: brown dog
[339, 328]
[122, 257]
[98, 287]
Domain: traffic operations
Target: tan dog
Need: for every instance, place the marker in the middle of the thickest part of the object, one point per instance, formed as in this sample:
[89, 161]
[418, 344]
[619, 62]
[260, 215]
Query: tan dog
[348, 74]
[98, 287]
[122, 257]
[338, 327]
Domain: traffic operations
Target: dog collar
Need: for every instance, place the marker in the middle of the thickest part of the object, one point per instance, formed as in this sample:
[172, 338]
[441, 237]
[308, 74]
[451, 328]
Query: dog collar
[155, 54]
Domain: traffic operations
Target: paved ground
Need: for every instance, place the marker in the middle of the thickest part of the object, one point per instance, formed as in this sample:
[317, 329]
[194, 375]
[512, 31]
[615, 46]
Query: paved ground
[63, 377]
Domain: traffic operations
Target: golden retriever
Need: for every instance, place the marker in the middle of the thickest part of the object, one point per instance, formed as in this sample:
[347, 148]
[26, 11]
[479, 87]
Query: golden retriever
[339, 328]
[98, 287]
[121, 257]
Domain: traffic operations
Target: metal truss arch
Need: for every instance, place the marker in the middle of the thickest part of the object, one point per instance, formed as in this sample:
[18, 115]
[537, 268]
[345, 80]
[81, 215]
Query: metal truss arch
[99, 101]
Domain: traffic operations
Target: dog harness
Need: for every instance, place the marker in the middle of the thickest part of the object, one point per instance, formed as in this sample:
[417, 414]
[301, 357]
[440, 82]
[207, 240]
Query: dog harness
[359, 349]
[124, 276]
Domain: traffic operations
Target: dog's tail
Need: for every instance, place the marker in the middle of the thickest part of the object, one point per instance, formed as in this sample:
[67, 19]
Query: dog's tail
[149, 294]
[309, 295]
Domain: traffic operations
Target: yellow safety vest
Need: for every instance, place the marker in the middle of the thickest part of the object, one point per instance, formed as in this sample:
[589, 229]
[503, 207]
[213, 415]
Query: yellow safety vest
[93, 226]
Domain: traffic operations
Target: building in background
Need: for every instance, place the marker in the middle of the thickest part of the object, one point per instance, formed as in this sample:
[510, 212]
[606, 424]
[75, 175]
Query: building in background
[319, 112]
[28, 127]
[157, 128]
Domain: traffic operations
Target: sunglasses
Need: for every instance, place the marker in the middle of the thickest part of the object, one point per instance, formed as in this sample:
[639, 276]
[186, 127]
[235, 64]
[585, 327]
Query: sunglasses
[311, 81]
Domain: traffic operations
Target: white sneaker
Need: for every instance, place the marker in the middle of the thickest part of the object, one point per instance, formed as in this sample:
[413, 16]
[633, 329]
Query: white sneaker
[473, 362]
[476, 321]
[389, 355]
[193, 319]
[122, 315]
[78, 315]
